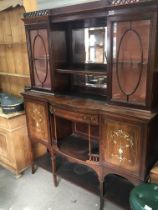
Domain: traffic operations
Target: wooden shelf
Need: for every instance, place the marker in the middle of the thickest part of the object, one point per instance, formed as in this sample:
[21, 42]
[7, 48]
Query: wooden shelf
[81, 72]
[13, 43]
[77, 147]
[84, 177]
[80, 175]
[14, 75]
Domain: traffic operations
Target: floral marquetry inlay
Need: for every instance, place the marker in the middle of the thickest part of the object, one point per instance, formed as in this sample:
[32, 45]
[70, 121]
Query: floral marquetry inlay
[122, 143]
[37, 118]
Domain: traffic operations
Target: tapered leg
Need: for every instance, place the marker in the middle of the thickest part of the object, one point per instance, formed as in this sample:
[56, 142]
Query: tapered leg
[33, 166]
[54, 170]
[101, 195]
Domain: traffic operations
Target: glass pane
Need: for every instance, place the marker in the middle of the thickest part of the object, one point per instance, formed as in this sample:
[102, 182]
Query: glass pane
[39, 44]
[130, 60]
[89, 45]
[41, 75]
[93, 81]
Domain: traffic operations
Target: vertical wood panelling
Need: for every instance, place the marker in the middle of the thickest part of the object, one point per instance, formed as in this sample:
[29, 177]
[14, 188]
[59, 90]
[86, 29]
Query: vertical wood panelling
[13, 52]
[14, 85]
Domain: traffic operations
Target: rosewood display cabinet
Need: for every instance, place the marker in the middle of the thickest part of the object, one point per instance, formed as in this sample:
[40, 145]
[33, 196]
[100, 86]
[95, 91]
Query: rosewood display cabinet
[93, 97]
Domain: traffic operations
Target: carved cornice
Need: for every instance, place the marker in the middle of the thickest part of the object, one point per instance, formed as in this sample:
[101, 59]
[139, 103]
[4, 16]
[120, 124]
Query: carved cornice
[68, 10]
[125, 2]
[36, 13]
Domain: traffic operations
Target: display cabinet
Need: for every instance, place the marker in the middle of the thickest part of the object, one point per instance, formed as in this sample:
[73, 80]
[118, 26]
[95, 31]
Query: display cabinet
[99, 65]
[132, 57]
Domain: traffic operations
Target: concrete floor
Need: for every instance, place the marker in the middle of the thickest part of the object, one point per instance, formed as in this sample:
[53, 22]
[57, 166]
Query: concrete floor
[36, 192]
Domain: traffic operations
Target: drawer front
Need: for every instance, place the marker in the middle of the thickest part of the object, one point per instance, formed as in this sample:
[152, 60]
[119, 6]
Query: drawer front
[37, 120]
[75, 116]
[121, 144]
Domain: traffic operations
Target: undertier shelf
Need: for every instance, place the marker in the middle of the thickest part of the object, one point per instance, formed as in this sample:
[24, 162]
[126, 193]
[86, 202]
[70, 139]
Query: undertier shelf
[117, 189]
[77, 147]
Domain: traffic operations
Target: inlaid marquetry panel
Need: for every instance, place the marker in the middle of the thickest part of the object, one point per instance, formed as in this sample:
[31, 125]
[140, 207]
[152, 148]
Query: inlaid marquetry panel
[121, 144]
[3, 145]
[37, 121]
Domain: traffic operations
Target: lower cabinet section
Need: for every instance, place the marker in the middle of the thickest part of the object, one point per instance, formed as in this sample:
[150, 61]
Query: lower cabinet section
[15, 150]
[107, 140]
[121, 144]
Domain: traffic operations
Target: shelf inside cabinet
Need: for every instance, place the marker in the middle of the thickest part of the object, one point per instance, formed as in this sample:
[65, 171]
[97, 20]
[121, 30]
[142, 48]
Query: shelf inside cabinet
[41, 58]
[81, 71]
[80, 175]
[77, 147]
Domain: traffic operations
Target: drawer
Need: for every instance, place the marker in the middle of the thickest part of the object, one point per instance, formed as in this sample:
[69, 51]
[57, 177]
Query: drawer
[75, 116]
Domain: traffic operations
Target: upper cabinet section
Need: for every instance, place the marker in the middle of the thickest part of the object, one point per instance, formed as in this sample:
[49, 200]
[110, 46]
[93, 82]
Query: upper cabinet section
[105, 50]
[131, 59]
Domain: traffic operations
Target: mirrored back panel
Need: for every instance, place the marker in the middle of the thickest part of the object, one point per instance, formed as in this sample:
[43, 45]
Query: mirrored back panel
[80, 49]
[89, 45]
[81, 44]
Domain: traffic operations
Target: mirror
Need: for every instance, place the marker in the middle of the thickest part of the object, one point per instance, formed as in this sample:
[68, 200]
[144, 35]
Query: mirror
[89, 45]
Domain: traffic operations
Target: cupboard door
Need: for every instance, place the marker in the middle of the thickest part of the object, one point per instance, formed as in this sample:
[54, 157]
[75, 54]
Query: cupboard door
[121, 144]
[40, 59]
[3, 145]
[37, 121]
[129, 51]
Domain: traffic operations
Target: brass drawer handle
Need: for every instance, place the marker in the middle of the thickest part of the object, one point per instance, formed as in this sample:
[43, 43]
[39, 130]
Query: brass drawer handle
[90, 118]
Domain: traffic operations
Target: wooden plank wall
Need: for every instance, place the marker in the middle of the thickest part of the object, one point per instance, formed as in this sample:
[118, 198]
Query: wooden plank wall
[14, 68]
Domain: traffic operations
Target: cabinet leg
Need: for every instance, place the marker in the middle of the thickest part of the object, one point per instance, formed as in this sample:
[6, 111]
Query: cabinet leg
[101, 195]
[18, 175]
[34, 168]
[54, 170]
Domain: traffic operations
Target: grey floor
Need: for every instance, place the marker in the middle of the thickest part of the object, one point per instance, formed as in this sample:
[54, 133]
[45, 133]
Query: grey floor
[36, 192]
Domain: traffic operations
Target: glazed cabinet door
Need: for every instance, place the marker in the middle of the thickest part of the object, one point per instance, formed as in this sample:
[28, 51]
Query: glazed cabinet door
[121, 144]
[130, 60]
[38, 121]
[39, 58]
